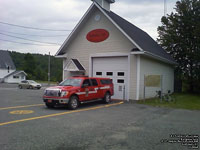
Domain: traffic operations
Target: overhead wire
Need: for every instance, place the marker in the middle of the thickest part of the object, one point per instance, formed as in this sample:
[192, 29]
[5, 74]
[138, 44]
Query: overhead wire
[52, 43]
[32, 34]
[24, 43]
[33, 28]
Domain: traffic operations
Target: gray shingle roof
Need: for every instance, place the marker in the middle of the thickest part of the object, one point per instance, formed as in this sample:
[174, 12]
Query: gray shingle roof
[140, 37]
[6, 60]
[78, 65]
[15, 72]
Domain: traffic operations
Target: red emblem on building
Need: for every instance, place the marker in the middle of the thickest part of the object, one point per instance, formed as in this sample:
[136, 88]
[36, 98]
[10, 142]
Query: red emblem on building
[98, 35]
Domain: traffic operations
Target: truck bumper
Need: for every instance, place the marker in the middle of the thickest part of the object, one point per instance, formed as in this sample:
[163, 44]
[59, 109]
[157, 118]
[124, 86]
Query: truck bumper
[55, 101]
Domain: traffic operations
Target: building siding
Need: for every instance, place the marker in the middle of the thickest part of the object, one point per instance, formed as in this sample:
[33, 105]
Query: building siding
[153, 67]
[11, 78]
[81, 49]
[4, 72]
[133, 77]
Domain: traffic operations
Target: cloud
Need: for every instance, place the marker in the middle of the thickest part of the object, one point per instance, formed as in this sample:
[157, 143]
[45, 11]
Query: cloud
[65, 14]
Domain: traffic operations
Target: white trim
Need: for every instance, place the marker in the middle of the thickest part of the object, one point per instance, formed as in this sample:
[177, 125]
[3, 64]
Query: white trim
[113, 54]
[68, 64]
[138, 78]
[154, 56]
[61, 56]
[19, 73]
[64, 61]
[74, 70]
[129, 77]
[137, 53]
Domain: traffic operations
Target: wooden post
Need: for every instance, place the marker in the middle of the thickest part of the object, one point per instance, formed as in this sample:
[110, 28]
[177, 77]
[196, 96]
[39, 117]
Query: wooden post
[144, 87]
[49, 70]
[161, 86]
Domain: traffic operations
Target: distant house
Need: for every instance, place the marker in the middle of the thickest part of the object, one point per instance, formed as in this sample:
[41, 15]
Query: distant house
[8, 71]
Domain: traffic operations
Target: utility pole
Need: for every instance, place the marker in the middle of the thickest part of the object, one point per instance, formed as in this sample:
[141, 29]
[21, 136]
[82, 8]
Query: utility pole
[49, 70]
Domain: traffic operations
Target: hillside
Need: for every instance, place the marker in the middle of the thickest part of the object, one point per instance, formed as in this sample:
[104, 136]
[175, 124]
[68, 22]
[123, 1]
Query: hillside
[36, 66]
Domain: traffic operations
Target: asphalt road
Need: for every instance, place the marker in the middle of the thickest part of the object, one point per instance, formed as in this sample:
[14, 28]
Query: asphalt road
[26, 124]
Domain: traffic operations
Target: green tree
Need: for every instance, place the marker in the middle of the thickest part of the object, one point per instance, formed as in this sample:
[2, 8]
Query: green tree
[36, 65]
[29, 65]
[179, 34]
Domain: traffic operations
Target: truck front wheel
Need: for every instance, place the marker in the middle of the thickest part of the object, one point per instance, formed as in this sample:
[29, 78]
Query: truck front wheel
[73, 102]
[49, 105]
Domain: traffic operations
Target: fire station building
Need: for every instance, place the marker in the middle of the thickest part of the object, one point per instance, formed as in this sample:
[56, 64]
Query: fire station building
[103, 44]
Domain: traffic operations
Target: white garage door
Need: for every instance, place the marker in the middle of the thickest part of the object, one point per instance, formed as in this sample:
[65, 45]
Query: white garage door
[115, 68]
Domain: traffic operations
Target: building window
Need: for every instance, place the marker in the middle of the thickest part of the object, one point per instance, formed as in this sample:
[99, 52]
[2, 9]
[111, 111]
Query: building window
[99, 73]
[16, 77]
[109, 73]
[120, 73]
[120, 81]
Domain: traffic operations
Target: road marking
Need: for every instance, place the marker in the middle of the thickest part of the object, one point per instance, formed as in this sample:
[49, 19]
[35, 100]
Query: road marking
[59, 114]
[21, 112]
[20, 106]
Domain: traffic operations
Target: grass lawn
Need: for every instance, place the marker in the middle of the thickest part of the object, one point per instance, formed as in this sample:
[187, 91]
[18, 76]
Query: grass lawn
[182, 100]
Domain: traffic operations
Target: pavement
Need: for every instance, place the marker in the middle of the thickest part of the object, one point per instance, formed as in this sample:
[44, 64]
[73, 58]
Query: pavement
[26, 124]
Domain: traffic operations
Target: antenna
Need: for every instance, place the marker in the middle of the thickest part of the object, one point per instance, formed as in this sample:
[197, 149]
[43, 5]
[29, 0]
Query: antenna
[165, 7]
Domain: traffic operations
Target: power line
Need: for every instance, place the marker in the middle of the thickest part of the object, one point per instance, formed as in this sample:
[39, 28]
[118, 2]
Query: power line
[30, 39]
[24, 43]
[33, 28]
[32, 34]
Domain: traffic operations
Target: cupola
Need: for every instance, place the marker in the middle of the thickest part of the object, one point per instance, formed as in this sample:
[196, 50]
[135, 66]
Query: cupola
[104, 3]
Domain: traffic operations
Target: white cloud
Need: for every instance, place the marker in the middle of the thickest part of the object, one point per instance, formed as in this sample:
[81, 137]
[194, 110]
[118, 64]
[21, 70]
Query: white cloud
[65, 14]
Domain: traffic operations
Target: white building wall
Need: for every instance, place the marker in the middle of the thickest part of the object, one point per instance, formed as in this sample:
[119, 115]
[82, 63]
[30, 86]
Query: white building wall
[11, 78]
[153, 67]
[133, 77]
[4, 72]
[81, 49]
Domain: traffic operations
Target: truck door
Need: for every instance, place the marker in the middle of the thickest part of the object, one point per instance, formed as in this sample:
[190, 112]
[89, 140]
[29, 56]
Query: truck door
[86, 89]
[95, 89]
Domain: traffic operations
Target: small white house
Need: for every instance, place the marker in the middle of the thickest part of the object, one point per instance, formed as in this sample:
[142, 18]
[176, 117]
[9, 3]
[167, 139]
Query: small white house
[15, 77]
[8, 73]
[104, 44]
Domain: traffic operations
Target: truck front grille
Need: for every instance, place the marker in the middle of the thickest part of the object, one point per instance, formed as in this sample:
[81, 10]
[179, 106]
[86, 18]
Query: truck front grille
[52, 93]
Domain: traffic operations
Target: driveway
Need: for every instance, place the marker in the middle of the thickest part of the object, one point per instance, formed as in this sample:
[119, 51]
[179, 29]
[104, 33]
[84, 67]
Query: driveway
[26, 124]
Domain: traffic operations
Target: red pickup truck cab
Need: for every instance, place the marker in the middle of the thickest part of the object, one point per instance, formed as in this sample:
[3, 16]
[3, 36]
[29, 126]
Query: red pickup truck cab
[79, 89]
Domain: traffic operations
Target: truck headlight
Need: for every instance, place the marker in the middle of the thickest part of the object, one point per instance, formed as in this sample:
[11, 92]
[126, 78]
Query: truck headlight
[63, 93]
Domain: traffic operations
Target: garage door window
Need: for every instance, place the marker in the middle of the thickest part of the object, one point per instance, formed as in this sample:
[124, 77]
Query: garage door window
[99, 73]
[120, 81]
[109, 73]
[120, 73]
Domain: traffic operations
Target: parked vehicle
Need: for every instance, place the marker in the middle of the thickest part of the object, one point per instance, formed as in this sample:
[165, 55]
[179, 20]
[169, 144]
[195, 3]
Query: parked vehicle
[29, 84]
[79, 89]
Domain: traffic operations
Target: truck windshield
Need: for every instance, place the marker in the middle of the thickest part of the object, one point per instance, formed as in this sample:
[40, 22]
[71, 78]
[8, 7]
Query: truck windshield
[71, 82]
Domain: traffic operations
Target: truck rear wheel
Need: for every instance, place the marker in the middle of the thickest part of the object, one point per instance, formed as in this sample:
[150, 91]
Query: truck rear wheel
[107, 98]
[73, 103]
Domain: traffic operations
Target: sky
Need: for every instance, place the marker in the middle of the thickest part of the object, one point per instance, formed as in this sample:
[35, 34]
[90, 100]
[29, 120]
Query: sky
[62, 16]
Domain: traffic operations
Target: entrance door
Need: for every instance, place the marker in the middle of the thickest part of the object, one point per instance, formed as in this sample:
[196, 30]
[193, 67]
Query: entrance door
[115, 68]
